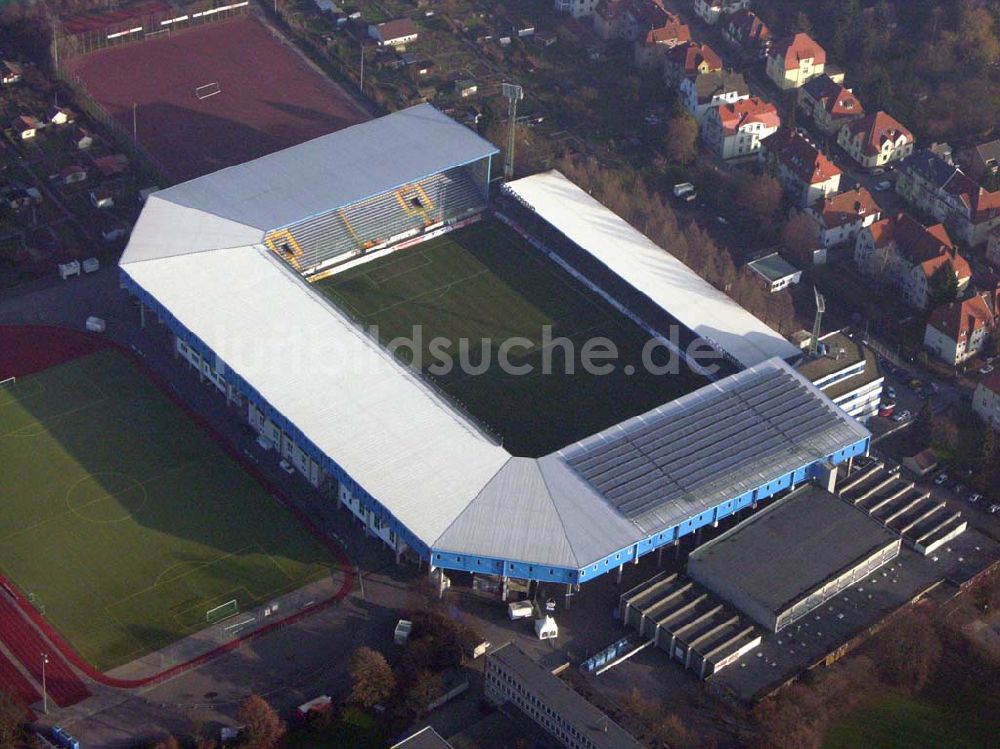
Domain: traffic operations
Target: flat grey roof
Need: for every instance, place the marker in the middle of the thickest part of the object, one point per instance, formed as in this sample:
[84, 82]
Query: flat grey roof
[712, 445]
[773, 267]
[598, 728]
[791, 547]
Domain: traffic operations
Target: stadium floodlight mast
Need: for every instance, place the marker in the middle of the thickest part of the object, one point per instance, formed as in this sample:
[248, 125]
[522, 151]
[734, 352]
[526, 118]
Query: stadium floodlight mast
[513, 93]
[45, 696]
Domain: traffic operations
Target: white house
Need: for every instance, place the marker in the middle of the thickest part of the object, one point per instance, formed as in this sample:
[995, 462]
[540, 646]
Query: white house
[576, 8]
[736, 130]
[958, 331]
[397, 33]
[803, 170]
[706, 90]
[841, 216]
[986, 400]
[775, 272]
[875, 140]
[710, 11]
[906, 254]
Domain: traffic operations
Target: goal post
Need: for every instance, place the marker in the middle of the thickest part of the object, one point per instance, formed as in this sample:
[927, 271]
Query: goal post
[208, 89]
[226, 610]
[8, 381]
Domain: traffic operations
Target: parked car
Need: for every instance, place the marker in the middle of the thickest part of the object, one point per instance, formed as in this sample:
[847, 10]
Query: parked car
[883, 185]
[886, 409]
[986, 369]
[904, 416]
[890, 393]
[940, 479]
[685, 191]
[916, 384]
[994, 509]
[973, 498]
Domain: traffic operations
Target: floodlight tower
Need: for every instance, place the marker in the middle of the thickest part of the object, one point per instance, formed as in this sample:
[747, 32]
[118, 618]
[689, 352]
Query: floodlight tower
[820, 309]
[513, 93]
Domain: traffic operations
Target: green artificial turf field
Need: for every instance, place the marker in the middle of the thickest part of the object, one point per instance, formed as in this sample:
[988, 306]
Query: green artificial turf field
[485, 282]
[123, 520]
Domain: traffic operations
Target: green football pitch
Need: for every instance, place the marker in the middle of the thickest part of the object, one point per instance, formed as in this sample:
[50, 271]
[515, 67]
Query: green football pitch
[124, 522]
[485, 283]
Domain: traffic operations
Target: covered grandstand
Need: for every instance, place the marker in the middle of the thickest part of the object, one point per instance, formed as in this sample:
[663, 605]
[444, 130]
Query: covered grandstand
[376, 435]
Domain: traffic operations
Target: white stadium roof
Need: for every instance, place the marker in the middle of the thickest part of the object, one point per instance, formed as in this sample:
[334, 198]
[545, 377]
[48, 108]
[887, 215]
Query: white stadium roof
[659, 275]
[436, 472]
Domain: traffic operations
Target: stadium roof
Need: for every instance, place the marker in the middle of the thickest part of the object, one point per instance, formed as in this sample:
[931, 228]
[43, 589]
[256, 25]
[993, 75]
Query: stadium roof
[796, 544]
[236, 206]
[450, 484]
[658, 274]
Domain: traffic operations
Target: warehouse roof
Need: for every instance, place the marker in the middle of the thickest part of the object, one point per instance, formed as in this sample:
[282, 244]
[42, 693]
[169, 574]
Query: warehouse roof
[656, 273]
[592, 724]
[796, 545]
[236, 206]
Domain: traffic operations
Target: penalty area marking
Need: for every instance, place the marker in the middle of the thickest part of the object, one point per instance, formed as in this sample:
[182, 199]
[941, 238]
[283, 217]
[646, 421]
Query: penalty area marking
[208, 89]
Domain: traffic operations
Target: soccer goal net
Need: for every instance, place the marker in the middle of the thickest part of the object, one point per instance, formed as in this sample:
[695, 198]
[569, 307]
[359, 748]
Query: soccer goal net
[8, 381]
[208, 89]
[226, 610]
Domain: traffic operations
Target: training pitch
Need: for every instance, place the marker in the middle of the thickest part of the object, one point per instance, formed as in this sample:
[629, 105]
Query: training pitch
[214, 96]
[123, 521]
[486, 282]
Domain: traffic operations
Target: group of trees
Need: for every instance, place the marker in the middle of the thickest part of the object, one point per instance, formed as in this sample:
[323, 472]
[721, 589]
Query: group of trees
[436, 643]
[262, 728]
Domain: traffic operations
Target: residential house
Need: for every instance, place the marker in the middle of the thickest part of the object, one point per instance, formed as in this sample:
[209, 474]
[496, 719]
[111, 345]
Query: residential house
[61, 116]
[84, 139]
[959, 330]
[736, 130]
[707, 90]
[775, 272]
[688, 60]
[907, 254]
[425, 738]
[10, 72]
[629, 20]
[745, 30]
[72, 174]
[803, 170]
[649, 51]
[26, 126]
[986, 399]
[875, 140]
[841, 216]
[930, 181]
[465, 88]
[795, 60]
[576, 8]
[983, 161]
[396, 33]
[829, 104]
[710, 11]
[112, 165]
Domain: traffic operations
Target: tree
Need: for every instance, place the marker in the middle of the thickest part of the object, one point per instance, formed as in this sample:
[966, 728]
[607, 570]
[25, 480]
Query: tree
[372, 678]
[12, 717]
[986, 443]
[943, 285]
[262, 728]
[682, 139]
[760, 195]
[800, 237]
[425, 688]
[909, 651]
[922, 431]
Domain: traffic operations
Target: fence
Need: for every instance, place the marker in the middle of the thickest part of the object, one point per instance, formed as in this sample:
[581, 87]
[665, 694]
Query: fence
[83, 35]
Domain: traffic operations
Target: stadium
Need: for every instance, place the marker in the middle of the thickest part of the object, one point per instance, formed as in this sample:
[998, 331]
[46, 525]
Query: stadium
[288, 282]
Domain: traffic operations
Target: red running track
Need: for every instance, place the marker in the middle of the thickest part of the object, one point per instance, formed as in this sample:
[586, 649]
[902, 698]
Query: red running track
[25, 642]
[15, 683]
